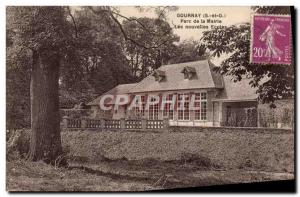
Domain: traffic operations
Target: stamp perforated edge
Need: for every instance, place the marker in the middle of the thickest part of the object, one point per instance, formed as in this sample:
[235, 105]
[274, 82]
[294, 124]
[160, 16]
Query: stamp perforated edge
[251, 38]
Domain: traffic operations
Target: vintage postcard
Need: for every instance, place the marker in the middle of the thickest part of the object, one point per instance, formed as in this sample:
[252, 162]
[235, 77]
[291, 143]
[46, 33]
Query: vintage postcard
[160, 98]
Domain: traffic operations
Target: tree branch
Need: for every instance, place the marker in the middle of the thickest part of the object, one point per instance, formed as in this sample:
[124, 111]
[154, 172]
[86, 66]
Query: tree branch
[111, 14]
[73, 20]
[135, 19]
[125, 35]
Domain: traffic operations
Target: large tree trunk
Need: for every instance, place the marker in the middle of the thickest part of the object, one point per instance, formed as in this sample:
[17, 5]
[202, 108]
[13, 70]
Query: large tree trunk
[45, 142]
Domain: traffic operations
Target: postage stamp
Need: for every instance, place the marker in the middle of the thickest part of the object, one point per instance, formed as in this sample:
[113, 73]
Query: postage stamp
[271, 39]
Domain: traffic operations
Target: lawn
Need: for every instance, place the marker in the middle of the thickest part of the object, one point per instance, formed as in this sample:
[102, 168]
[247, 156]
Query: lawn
[137, 161]
[124, 176]
[230, 150]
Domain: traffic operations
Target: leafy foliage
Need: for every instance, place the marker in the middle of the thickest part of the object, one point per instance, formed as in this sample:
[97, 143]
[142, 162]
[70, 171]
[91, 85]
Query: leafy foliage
[39, 28]
[186, 51]
[17, 98]
[274, 82]
[31, 29]
[158, 39]
[92, 48]
[99, 54]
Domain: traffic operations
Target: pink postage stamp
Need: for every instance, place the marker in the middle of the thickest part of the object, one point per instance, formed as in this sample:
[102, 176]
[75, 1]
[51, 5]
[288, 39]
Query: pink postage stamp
[271, 39]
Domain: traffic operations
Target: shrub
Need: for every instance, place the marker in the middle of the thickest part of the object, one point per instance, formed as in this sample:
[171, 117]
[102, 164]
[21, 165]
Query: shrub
[18, 144]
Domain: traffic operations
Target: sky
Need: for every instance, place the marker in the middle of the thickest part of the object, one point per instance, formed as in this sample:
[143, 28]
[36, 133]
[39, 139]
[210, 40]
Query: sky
[233, 15]
[230, 15]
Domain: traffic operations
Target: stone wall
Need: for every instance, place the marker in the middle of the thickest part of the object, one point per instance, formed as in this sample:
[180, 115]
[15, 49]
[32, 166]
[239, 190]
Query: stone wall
[157, 125]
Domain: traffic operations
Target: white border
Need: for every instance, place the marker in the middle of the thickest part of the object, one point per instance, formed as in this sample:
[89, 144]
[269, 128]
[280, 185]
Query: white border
[4, 3]
[151, 2]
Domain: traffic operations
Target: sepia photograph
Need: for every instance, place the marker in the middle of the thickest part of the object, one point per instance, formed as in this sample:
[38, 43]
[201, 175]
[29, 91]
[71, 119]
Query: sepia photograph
[150, 98]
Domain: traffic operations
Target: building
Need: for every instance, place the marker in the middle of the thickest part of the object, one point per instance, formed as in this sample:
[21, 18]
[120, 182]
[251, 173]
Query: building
[221, 101]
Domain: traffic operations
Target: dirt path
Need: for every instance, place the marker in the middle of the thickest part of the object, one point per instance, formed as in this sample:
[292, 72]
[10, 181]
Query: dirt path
[125, 175]
[169, 175]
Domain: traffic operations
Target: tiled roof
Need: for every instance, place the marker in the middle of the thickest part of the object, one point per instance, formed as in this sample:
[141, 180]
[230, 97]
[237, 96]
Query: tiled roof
[205, 77]
[236, 91]
[118, 90]
[174, 79]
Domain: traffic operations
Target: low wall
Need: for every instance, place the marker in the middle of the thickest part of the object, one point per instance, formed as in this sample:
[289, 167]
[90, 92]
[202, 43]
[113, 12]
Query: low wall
[230, 129]
[229, 148]
[144, 124]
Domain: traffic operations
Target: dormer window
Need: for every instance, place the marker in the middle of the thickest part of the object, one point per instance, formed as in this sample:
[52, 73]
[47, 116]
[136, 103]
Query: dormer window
[159, 75]
[188, 72]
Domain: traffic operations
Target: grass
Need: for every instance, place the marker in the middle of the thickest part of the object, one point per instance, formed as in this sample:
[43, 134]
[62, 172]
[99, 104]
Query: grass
[37, 176]
[133, 161]
[236, 150]
[124, 176]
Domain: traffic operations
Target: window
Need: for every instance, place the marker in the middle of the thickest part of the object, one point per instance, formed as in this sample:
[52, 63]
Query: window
[197, 111]
[153, 111]
[179, 110]
[197, 96]
[143, 109]
[183, 112]
[186, 112]
[168, 111]
[201, 104]
[203, 110]
[136, 112]
[197, 106]
[188, 72]
[203, 95]
[159, 75]
[143, 99]
[171, 113]
[186, 75]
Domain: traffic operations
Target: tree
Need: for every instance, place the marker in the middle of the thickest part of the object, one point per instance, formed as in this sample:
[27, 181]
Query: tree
[17, 98]
[42, 36]
[159, 33]
[274, 82]
[17, 91]
[186, 51]
[55, 47]
[148, 42]
[103, 64]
